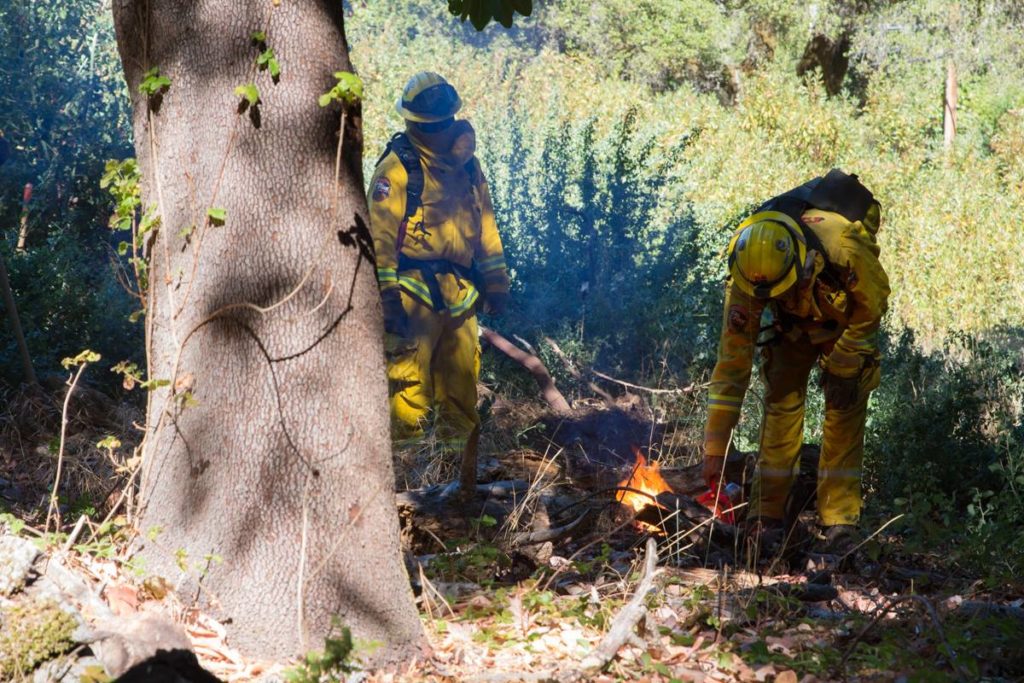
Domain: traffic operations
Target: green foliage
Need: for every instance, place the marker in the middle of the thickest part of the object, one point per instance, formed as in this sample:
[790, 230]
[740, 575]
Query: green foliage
[109, 442]
[65, 112]
[947, 435]
[349, 89]
[13, 524]
[67, 300]
[81, 358]
[217, 215]
[153, 83]
[268, 61]
[468, 561]
[248, 92]
[122, 180]
[331, 665]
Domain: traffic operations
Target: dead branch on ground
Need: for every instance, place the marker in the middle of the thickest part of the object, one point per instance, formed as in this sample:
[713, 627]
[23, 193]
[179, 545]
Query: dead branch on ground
[621, 631]
[685, 390]
[576, 373]
[534, 365]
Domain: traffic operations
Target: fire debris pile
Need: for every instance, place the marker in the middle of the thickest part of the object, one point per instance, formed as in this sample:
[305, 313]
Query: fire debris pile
[593, 561]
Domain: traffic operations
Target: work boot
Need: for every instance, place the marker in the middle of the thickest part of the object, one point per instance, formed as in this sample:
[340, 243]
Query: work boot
[834, 547]
[840, 539]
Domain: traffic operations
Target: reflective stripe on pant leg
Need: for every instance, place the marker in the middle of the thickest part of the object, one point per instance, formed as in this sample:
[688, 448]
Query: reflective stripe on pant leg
[785, 370]
[410, 385]
[842, 455]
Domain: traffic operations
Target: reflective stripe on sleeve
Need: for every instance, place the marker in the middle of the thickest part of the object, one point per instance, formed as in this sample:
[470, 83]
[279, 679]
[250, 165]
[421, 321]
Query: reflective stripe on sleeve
[722, 402]
[491, 263]
[387, 275]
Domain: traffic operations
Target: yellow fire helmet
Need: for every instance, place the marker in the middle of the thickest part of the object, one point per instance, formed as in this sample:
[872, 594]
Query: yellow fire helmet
[766, 254]
[428, 98]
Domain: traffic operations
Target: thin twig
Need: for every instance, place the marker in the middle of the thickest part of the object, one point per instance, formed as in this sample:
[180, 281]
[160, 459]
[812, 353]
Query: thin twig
[73, 536]
[575, 372]
[685, 390]
[54, 508]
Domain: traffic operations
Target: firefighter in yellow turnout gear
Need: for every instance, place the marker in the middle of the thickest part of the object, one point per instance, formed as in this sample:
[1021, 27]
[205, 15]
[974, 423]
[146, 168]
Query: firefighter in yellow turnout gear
[810, 258]
[439, 257]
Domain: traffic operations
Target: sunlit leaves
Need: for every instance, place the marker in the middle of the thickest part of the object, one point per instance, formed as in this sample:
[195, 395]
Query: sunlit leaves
[130, 372]
[121, 178]
[153, 83]
[86, 356]
[217, 215]
[348, 89]
[268, 61]
[249, 93]
[333, 663]
[110, 443]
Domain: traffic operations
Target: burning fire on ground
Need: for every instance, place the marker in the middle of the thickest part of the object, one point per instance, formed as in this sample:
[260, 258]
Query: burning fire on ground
[646, 483]
[641, 488]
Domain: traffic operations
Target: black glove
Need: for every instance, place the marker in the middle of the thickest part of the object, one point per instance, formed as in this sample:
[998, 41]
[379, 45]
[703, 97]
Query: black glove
[840, 392]
[495, 303]
[396, 320]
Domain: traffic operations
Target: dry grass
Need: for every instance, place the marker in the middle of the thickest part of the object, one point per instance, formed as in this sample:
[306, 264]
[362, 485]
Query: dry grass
[29, 442]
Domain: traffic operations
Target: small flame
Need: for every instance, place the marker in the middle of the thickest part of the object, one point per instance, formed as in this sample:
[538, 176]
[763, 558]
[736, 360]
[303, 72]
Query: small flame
[645, 478]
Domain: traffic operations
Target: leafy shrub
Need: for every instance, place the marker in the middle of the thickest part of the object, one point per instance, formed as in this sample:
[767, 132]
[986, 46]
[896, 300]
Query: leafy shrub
[946, 435]
[69, 299]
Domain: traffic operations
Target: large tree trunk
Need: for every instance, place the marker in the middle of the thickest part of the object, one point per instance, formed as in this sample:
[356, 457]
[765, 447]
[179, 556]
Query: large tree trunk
[275, 490]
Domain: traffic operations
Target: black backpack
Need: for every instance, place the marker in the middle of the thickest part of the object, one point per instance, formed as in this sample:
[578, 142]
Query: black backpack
[837, 192]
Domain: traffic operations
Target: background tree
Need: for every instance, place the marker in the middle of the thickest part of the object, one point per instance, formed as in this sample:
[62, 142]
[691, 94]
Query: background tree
[62, 115]
[267, 479]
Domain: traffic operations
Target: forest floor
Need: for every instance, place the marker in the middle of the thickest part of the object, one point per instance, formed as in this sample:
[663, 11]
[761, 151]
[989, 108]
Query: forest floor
[546, 576]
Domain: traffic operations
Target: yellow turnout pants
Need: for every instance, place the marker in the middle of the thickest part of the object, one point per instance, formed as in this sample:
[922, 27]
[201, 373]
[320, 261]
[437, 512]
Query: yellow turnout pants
[432, 375]
[785, 370]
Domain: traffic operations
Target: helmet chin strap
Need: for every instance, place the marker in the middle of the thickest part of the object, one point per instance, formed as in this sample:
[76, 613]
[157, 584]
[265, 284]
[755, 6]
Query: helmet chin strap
[808, 270]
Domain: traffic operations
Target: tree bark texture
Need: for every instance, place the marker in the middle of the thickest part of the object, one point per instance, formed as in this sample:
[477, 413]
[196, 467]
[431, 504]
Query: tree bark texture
[267, 485]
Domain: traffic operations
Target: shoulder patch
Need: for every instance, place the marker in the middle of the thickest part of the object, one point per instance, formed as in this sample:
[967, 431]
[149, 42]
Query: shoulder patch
[738, 318]
[381, 189]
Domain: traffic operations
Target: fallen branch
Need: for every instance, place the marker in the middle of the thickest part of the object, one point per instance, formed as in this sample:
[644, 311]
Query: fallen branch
[534, 365]
[621, 631]
[685, 390]
[747, 582]
[545, 535]
[575, 372]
